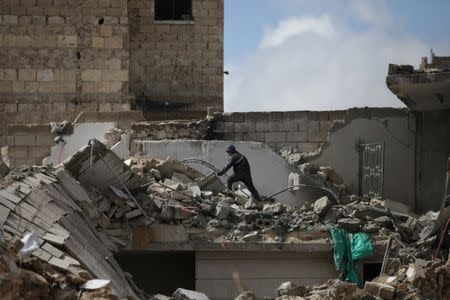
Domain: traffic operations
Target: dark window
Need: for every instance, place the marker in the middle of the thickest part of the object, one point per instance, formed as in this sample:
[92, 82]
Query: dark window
[173, 9]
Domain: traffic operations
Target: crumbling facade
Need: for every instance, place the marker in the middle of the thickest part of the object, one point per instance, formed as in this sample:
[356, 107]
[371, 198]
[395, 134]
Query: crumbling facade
[59, 58]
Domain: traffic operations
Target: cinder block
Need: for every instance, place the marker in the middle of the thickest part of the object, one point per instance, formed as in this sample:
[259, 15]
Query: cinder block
[56, 20]
[275, 137]
[39, 151]
[308, 147]
[26, 107]
[18, 152]
[67, 41]
[8, 74]
[98, 42]
[315, 134]
[299, 136]
[11, 107]
[10, 20]
[9, 41]
[286, 125]
[114, 42]
[254, 137]
[45, 75]
[25, 140]
[5, 87]
[91, 75]
[18, 87]
[27, 74]
[115, 75]
[65, 75]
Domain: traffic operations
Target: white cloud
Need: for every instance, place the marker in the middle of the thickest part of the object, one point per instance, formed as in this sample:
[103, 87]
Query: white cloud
[292, 27]
[318, 63]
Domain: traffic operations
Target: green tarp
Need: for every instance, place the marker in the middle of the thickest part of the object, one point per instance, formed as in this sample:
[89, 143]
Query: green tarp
[347, 249]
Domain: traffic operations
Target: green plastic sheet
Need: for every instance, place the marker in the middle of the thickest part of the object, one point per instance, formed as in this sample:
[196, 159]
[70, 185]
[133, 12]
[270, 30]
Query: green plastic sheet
[348, 248]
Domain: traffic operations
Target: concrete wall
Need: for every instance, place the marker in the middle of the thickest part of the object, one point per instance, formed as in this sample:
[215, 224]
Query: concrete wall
[269, 170]
[396, 129]
[433, 150]
[304, 130]
[176, 67]
[62, 57]
[261, 272]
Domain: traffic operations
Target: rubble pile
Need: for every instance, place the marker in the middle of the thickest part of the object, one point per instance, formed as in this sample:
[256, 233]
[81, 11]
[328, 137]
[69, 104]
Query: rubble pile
[30, 278]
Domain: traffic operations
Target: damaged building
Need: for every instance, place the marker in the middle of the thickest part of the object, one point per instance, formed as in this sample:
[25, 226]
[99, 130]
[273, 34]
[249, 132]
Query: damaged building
[111, 114]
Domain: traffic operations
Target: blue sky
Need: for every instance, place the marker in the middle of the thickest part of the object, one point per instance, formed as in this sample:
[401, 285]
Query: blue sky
[305, 54]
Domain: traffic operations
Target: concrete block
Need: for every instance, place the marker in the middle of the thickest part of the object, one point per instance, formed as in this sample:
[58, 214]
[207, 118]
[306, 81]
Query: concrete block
[44, 140]
[10, 20]
[115, 75]
[31, 87]
[67, 41]
[25, 140]
[56, 20]
[308, 147]
[18, 87]
[254, 136]
[114, 42]
[8, 74]
[299, 136]
[11, 107]
[45, 75]
[91, 75]
[18, 152]
[285, 125]
[39, 152]
[275, 137]
[5, 87]
[115, 87]
[27, 74]
[65, 75]
[27, 107]
[98, 42]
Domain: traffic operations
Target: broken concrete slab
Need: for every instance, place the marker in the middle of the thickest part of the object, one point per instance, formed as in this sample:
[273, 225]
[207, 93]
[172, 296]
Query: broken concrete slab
[322, 205]
[183, 294]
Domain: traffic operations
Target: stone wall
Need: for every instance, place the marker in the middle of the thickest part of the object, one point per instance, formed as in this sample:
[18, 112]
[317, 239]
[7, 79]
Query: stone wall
[28, 144]
[61, 57]
[303, 130]
[177, 66]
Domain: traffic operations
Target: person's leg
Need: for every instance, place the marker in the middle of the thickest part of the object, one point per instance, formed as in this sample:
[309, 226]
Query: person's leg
[247, 180]
[232, 179]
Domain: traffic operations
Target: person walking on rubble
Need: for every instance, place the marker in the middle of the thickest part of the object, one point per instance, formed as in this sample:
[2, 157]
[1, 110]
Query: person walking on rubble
[241, 169]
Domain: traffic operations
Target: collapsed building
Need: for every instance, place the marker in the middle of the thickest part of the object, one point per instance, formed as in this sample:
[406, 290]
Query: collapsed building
[143, 211]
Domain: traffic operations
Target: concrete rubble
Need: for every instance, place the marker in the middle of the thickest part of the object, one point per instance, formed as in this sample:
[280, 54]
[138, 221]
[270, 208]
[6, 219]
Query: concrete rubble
[94, 204]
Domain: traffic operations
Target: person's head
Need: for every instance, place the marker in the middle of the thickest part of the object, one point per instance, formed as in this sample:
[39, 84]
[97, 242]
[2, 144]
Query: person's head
[231, 149]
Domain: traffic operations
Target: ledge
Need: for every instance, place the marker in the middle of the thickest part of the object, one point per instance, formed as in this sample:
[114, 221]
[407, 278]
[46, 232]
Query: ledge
[174, 22]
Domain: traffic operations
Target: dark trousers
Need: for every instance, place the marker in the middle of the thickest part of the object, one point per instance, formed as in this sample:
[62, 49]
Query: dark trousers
[247, 180]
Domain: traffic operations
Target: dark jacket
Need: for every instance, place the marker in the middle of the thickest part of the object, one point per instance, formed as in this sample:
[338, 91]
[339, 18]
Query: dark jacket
[240, 165]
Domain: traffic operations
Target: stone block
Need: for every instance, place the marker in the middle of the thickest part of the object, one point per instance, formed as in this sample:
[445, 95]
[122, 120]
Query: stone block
[18, 87]
[115, 87]
[106, 31]
[10, 20]
[9, 41]
[39, 152]
[66, 41]
[114, 42]
[44, 140]
[285, 125]
[98, 42]
[48, 87]
[91, 75]
[23, 41]
[26, 107]
[25, 140]
[8, 74]
[18, 152]
[275, 137]
[115, 75]
[65, 75]
[27, 74]
[298, 136]
[45, 75]
[5, 87]
[254, 136]
[56, 20]
[10, 107]
[31, 87]
[308, 147]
